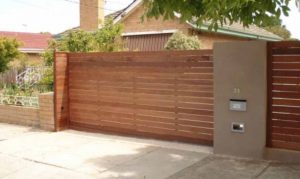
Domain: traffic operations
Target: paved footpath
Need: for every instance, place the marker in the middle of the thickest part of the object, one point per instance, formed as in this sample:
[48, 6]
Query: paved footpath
[29, 153]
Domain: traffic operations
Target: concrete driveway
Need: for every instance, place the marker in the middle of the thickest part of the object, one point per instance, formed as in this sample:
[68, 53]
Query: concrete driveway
[30, 153]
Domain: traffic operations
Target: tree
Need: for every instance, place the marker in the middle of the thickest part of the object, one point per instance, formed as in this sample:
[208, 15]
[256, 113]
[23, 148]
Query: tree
[106, 39]
[75, 41]
[179, 41]
[275, 26]
[8, 52]
[279, 30]
[48, 55]
[218, 12]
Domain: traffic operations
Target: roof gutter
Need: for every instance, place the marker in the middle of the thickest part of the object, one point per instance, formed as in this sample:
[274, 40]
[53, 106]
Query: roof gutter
[236, 33]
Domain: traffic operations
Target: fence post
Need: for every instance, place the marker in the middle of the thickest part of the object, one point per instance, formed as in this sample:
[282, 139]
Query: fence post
[61, 91]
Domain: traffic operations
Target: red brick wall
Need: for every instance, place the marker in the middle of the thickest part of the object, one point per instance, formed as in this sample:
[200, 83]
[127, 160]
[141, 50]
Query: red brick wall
[133, 23]
[42, 117]
[208, 39]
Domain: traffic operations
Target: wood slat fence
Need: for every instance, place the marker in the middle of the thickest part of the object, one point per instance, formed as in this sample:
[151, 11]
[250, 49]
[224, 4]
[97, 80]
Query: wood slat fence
[165, 95]
[284, 95]
[8, 77]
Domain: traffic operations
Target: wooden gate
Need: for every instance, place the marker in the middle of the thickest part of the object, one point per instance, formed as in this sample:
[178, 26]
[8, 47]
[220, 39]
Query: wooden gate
[165, 95]
[284, 95]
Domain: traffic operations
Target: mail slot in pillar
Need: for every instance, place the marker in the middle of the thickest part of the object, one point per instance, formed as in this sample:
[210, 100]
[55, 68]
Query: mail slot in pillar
[238, 105]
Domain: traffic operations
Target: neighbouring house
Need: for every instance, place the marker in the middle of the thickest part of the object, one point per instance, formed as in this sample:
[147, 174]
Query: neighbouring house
[33, 44]
[152, 34]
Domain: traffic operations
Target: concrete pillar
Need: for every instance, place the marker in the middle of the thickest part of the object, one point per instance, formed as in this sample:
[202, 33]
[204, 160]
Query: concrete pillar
[240, 74]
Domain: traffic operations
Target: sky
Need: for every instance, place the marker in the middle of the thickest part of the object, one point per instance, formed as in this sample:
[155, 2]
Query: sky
[52, 16]
[56, 16]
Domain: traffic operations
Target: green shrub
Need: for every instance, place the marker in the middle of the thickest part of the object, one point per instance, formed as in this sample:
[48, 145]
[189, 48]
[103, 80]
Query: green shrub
[13, 90]
[179, 41]
[47, 77]
[106, 39]
[76, 41]
[48, 55]
[8, 52]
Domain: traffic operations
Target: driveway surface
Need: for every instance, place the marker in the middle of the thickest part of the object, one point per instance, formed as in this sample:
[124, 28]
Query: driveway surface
[31, 153]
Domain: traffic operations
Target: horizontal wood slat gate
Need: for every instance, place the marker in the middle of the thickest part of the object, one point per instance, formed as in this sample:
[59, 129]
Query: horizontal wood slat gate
[165, 95]
[284, 95]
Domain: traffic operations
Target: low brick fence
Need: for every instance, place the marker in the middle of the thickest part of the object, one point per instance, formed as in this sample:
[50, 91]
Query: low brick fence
[41, 117]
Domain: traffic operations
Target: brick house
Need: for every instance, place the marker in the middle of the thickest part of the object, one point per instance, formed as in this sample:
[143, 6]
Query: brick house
[33, 44]
[152, 34]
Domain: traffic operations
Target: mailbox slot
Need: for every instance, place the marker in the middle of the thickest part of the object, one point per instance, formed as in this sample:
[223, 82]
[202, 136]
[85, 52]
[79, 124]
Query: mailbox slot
[238, 105]
[238, 127]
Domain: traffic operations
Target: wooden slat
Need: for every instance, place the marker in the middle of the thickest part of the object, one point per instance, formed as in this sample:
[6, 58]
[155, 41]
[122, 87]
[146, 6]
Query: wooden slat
[287, 109]
[286, 73]
[144, 70]
[286, 145]
[158, 130]
[286, 80]
[117, 55]
[120, 120]
[84, 119]
[165, 64]
[292, 88]
[120, 126]
[286, 102]
[204, 124]
[293, 80]
[287, 117]
[195, 129]
[286, 66]
[155, 118]
[193, 117]
[285, 130]
[289, 95]
[169, 126]
[291, 124]
[206, 100]
[290, 58]
[286, 51]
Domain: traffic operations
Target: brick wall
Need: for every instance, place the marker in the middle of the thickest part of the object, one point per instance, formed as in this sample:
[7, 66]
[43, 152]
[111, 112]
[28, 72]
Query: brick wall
[91, 14]
[42, 117]
[208, 39]
[133, 23]
[19, 115]
[46, 111]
